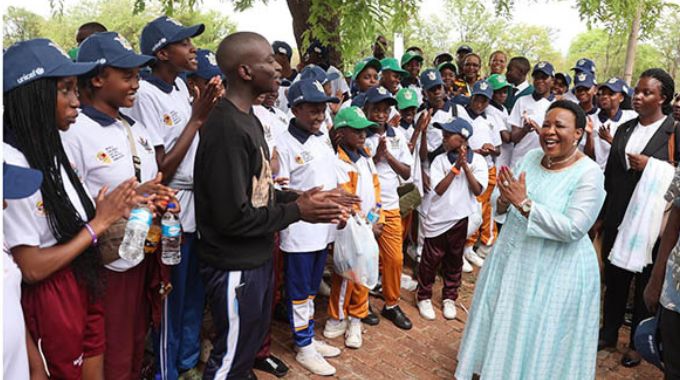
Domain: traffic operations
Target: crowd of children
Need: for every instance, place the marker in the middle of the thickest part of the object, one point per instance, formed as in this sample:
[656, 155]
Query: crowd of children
[263, 163]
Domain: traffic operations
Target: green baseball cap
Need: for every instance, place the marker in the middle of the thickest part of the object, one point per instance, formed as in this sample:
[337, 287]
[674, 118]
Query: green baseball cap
[498, 81]
[392, 64]
[447, 65]
[407, 97]
[352, 117]
[410, 56]
[363, 64]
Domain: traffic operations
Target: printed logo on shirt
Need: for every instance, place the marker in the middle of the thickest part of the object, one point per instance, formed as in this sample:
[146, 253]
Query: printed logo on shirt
[108, 155]
[40, 209]
[103, 158]
[171, 118]
[303, 157]
[394, 143]
[145, 144]
[267, 131]
[79, 361]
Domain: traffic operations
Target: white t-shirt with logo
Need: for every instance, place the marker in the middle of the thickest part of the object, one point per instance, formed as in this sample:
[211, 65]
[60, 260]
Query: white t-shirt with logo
[535, 110]
[483, 132]
[500, 120]
[165, 115]
[102, 156]
[397, 146]
[274, 123]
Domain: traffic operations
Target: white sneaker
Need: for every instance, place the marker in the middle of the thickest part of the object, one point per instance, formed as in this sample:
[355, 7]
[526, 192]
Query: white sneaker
[334, 328]
[324, 289]
[467, 268]
[314, 363]
[325, 349]
[449, 307]
[353, 334]
[426, 310]
[484, 250]
[470, 255]
[408, 283]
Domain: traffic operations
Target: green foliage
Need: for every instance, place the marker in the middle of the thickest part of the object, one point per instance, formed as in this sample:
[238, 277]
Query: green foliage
[116, 15]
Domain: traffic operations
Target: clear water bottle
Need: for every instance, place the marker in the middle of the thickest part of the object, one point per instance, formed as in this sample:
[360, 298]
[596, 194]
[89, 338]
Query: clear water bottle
[374, 214]
[172, 230]
[132, 247]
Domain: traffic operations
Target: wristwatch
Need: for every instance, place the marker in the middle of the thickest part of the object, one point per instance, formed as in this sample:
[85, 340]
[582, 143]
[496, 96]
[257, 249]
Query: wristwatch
[525, 206]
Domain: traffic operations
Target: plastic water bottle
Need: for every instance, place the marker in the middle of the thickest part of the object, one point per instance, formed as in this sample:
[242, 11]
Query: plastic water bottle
[132, 247]
[374, 215]
[171, 237]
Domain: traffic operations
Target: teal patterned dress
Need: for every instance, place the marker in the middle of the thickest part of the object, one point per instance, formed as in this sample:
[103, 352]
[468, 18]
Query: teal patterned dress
[536, 307]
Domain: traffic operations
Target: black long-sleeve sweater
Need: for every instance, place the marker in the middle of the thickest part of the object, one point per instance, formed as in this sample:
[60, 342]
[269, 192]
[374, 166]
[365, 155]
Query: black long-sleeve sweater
[237, 209]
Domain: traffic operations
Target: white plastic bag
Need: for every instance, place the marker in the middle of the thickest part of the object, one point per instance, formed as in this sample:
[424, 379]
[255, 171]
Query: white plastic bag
[355, 256]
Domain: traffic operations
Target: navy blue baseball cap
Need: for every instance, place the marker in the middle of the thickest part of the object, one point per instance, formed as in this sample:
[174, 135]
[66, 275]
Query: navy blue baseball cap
[565, 77]
[38, 58]
[464, 49]
[18, 182]
[647, 341]
[358, 100]
[430, 78]
[616, 85]
[308, 91]
[281, 47]
[207, 64]
[584, 79]
[316, 73]
[483, 88]
[111, 49]
[379, 94]
[544, 67]
[457, 125]
[584, 65]
[318, 48]
[164, 31]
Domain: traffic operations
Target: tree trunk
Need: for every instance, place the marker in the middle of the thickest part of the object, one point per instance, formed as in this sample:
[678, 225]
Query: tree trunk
[632, 45]
[300, 11]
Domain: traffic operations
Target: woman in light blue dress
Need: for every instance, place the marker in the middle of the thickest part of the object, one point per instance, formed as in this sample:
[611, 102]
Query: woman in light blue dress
[535, 312]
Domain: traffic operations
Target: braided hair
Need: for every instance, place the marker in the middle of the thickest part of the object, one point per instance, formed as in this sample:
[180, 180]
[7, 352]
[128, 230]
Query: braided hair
[667, 87]
[30, 124]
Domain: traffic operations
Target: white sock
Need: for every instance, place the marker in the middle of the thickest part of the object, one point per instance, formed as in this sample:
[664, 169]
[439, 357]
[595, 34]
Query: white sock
[308, 349]
[391, 307]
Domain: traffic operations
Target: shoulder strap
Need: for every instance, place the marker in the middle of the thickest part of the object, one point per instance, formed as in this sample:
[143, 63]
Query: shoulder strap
[136, 161]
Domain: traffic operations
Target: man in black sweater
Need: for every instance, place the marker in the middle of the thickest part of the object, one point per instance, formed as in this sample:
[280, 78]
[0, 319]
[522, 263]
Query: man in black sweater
[238, 211]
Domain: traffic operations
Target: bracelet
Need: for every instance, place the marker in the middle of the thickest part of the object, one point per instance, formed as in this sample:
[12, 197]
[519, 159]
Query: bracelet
[92, 233]
[455, 170]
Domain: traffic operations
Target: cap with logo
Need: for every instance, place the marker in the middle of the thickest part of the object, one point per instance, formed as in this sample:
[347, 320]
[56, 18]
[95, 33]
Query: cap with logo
[443, 57]
[379, 94]
[365, 63]
[482, 88]
[38, 58]
[584, 79]
[648, 341]
[584, 65]
[544, 67]
[281, 47]
[392, 64]
[410, 56]
[565, 77]
[458, 125]
[616, 85]
[406, 98]
[111, 49]
[464, 49]
[318, 74]
[498, 81]
[164, 31]
[352, 117]
[207, 64]
[308, 91]
[430, 78]
[18, 182]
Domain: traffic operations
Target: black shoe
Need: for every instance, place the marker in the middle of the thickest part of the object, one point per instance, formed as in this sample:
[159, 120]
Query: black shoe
[631, 359]
[371, 319]
[376, 291]
[397, 316]
[271, 364]
[604, 345]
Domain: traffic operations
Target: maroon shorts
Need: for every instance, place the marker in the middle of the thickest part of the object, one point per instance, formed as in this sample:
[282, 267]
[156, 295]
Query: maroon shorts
[65, 325]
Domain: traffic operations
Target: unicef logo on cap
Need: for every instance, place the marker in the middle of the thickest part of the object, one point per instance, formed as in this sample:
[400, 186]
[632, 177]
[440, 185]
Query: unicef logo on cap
[282, 50]
[581, 62]
[38, 71]
[382, 90]
[612, 81]
[581, 77]
[123, 42]
[408, 95]
[431, 75]
[483, 86]
[541, 65]
[211, 59]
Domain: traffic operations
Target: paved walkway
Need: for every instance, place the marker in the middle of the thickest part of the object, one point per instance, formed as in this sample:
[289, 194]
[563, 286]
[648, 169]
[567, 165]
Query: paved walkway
[428, 351]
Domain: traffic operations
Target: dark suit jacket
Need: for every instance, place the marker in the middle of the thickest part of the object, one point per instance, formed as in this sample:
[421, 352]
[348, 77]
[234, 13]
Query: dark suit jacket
[620, 182]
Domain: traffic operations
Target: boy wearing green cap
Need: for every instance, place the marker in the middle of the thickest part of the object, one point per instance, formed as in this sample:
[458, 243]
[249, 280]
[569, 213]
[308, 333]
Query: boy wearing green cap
[391, 74]
[366, 74]
[357, 175]
[499, 115]
[412, 62]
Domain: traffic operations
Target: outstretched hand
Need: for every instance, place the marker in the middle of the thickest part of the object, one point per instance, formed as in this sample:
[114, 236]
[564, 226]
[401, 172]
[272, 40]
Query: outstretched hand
[317, 206]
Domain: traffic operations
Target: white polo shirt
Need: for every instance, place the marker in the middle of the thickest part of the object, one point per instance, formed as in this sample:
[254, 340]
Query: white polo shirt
[165, 110]
[274, 122]
[483, 131]
[99, 149]
[458, 201]
[535, 110]
[500, 121]
[308, 161]
[14, 356]
[25, 220]
[602, 148]
[397, 146]
[434, 135]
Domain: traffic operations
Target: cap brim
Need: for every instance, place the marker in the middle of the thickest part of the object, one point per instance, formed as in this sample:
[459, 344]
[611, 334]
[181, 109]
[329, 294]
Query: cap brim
[542, 71]
[188, 32]
[482, 94]
[441, 83]
[132, 60]
[207, 74]
[359, 125]
[607, 85]
[20, 182]
[332, 76]
[407, 104]
[390, 100]
[69, 69]
[506, 85]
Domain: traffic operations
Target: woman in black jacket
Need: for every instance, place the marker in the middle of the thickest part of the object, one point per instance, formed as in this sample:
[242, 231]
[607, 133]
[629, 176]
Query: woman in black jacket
[635, 142]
